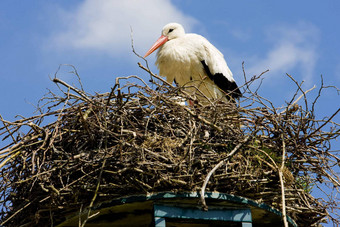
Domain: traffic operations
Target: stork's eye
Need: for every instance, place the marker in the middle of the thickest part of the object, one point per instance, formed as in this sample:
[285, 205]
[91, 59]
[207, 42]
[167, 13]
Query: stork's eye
[170, 30]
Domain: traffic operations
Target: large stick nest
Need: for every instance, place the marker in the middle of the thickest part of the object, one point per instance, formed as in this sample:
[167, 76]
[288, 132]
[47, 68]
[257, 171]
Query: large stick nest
[139, 139]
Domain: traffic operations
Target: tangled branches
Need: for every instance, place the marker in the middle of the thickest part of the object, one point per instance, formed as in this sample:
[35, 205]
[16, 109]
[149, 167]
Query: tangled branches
[138, 138]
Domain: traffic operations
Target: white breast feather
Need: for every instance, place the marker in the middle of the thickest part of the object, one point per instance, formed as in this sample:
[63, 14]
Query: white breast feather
[180, 60]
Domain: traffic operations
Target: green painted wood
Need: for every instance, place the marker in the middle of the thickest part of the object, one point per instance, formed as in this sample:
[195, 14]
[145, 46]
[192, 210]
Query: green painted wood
[235, 215]
[246, 224]
[159, 222]
[209, 195]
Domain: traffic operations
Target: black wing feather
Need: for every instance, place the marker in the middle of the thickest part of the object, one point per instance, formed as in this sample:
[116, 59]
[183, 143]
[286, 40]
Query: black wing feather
[230, 87]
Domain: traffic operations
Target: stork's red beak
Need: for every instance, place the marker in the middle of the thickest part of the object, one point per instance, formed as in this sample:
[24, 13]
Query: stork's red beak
[156, 45]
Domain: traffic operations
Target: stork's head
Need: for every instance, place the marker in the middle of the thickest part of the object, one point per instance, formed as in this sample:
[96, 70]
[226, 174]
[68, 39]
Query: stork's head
[169, 32]
[173, 31]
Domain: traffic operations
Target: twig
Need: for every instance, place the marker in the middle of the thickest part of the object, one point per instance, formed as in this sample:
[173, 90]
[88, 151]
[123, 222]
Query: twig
[298, 99]
[284, 214]
[57, 80]
[326, 122]
[16, 212]
[207, 178]
[8, 130]
[154, 75]
[95, 194]
[299, 86]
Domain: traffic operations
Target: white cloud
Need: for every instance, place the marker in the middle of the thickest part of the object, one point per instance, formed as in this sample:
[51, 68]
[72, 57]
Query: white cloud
[241, 34]
[105, 25]
[293, 47]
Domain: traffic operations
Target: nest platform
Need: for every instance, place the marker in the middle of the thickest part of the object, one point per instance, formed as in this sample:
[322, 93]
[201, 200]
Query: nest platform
[139, 139]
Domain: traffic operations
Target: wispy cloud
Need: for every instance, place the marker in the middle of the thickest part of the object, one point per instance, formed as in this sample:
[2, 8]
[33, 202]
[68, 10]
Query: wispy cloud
[337, 71]
[105, 25]
[241, 34]
[292, 48]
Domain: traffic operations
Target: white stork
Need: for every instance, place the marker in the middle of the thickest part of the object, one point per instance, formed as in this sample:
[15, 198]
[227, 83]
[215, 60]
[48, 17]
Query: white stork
[190, 60]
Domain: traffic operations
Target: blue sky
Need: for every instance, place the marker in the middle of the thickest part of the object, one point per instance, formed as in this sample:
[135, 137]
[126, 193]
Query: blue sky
[296, 37]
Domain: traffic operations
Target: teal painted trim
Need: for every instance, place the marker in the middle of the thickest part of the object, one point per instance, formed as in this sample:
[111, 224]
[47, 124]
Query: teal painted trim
[159, 222]
[210, 195]
[235, 215]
